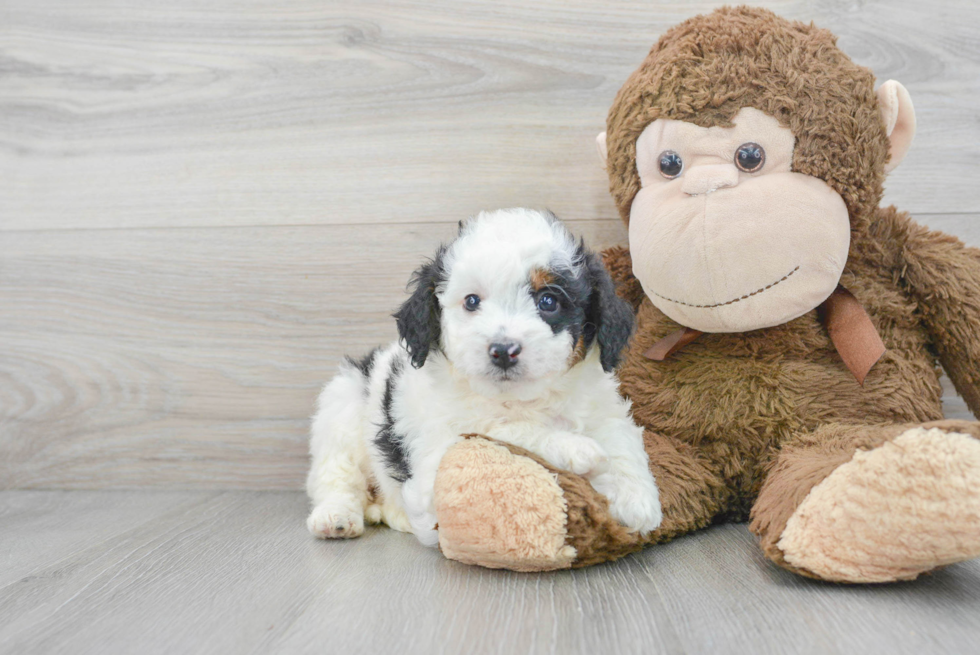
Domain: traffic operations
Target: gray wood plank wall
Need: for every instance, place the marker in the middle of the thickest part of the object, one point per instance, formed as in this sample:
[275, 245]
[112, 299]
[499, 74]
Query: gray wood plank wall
[203, 205]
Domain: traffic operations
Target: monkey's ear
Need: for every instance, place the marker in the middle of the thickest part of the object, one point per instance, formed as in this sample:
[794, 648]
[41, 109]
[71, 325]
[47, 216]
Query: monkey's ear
[419, 318]
[600, 146]
[899, 118]
[612, 316]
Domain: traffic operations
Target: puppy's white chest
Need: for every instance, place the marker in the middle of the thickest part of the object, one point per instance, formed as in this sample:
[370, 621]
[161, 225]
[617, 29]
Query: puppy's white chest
[563, 423]
[526, 419]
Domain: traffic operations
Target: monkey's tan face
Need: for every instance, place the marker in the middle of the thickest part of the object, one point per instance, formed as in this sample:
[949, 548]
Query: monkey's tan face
[724, 236]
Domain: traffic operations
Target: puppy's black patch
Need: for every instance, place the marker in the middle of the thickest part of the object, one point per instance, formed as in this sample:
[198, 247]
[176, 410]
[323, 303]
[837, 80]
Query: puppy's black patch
[419, 318]
[611, 315]
[589, 308]
[365, 364]
[390, 443]
[572, 292]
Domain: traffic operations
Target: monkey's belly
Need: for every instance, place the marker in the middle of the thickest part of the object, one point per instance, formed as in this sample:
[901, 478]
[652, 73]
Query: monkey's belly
[744, 394]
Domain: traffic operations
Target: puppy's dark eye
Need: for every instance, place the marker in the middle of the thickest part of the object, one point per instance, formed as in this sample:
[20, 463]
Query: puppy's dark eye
[471, 302]
[548, 302]
[670, 164]
[750, 157]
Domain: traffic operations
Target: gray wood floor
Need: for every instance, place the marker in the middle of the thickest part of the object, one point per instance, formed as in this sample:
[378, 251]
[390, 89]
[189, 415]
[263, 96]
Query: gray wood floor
[236, 572]
[205, 203]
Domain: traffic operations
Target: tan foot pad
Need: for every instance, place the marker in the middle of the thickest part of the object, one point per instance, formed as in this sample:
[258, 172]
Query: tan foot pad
[891, 513]
[500, 510]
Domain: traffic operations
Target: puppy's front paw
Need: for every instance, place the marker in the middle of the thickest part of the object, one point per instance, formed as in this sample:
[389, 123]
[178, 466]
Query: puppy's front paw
[577, 454]
[336, 520]
[637, 512]
[417, 497]
[634, 503]
[424, 529]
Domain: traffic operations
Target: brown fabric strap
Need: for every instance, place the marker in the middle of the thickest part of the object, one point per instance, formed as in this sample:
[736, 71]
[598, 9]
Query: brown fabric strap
[671, 344]
[854, 335]
[850, 328]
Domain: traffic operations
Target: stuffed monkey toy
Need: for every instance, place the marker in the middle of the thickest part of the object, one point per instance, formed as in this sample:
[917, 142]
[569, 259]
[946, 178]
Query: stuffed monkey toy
[790, 332]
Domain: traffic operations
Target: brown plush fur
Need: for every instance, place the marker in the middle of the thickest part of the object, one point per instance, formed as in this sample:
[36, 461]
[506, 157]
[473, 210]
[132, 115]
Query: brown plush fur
[708, 67]
[742, 400]
[750, 423]
[778, 402]
[619, 263]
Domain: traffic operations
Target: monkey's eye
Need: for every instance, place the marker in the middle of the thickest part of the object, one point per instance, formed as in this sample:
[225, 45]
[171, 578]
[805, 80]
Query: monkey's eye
[670, 164]
[471, 302]
[548, 303]
[750, 157]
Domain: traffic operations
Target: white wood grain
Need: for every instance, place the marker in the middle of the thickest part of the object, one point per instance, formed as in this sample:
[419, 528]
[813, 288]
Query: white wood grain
[190, 358]
[237, 572]
[151, 114]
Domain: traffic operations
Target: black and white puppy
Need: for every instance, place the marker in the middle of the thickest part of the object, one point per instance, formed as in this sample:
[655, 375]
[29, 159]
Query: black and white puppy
[513, 331]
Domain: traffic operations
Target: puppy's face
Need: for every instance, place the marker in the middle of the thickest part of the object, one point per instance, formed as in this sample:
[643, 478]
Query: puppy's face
[514, 302]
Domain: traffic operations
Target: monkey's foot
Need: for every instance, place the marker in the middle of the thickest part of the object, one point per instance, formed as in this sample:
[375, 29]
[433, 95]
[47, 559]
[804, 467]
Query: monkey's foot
[500, 510]
[891, 513]
[501, 506]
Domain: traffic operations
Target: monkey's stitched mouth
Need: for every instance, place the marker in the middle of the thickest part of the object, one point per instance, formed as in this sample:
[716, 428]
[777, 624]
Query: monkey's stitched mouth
[730, 302]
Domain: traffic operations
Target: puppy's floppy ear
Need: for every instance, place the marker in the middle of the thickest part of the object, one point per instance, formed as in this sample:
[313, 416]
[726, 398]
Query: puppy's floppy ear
[612, 316]
[418, 319]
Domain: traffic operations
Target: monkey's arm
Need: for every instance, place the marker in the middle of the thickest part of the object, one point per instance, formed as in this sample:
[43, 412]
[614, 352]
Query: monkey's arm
[620, 266]
[943, 276]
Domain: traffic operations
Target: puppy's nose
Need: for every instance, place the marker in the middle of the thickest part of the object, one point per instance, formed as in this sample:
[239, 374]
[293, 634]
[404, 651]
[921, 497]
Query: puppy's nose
[504, 355]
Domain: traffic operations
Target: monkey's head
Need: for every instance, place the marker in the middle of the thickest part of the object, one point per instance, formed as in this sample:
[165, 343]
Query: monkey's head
[743, 154]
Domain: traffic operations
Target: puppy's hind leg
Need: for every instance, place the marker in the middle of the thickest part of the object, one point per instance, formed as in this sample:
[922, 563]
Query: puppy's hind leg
[337, 483]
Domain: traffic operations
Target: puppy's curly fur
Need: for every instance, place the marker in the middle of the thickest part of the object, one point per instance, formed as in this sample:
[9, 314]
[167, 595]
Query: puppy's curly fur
[512, 331]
